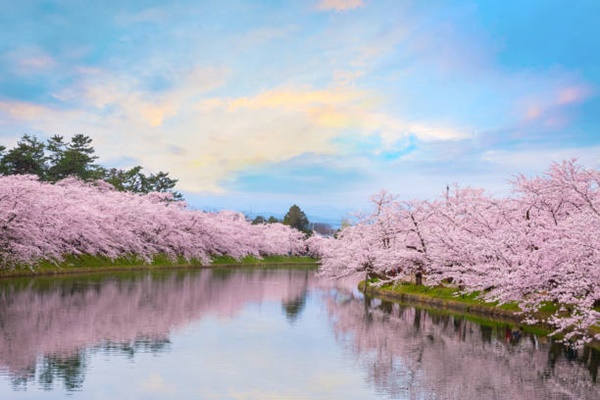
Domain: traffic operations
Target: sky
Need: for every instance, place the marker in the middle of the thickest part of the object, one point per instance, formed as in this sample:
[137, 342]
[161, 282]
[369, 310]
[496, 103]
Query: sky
[258, 105]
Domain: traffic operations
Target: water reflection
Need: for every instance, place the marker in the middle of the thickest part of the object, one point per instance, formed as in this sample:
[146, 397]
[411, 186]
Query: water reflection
[49, 327]
[270, 332]
[410, 353]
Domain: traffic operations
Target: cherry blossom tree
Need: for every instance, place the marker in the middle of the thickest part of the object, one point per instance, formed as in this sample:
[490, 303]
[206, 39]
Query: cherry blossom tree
[540, 245]
[560, 223]
[40, 221]
[389, 243]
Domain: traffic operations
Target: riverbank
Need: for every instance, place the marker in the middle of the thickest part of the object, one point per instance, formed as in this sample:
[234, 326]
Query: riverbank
[446, 298]
[89, 264]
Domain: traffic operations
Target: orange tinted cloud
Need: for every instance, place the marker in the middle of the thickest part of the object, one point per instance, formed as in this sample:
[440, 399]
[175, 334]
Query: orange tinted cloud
[552, 109]
[572, 94]
[339, 5]
[23, 110]
[294, 99]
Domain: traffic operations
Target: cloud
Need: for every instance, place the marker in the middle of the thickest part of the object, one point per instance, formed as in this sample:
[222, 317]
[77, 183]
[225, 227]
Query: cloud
[339, 5]
[37, 62]
[312, 172]
[30, 60]
[345, 78]
[23, 110]
[343, 108]
[280, 124]
[552, 107]
[573, 94]
[355, 87]
[207, 141]
[126, 97]
[254, 38]
[293, 99]
[538, 160]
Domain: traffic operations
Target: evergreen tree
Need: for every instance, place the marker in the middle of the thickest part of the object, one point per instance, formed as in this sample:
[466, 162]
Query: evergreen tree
[131, 180]
[2, 150]
[75, 158]
[161, 182]
[134, 180]
[27, 157]
[296, 218]
[57, 159]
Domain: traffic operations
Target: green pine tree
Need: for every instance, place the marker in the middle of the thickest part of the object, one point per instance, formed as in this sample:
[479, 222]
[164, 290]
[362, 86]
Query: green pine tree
[296, 218]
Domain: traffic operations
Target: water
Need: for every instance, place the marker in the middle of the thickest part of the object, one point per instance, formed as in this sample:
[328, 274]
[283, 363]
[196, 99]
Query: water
[262, 334]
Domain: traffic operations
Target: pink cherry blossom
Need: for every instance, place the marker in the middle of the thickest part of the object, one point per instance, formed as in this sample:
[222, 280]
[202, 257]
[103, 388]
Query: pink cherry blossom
[41, 221]
[540, 245]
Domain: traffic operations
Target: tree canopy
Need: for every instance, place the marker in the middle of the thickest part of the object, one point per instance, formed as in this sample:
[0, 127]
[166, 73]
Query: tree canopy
[296, 218]
[74, 158]
[57, 159]
[539, 246]
[40, 221]
[27, 157]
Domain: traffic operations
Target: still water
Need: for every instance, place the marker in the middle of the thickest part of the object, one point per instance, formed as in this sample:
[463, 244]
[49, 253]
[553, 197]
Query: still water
[262, 334]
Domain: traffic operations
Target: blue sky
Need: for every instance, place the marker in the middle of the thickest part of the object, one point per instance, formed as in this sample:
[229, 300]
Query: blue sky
[257, 105]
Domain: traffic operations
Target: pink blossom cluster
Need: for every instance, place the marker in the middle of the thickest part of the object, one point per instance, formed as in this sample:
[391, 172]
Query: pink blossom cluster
[42, 221]
[540, 245]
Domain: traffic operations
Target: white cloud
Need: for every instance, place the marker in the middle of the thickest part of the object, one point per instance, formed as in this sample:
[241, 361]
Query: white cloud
[29, 61]
[538, 160]
[204, 140]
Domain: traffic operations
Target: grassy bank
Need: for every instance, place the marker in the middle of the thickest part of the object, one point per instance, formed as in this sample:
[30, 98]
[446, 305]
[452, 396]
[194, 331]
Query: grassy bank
[268, 260]
[87, 263]
[448, 298]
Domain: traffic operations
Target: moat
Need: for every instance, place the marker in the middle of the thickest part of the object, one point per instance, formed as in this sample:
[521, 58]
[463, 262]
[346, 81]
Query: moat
[276, 333]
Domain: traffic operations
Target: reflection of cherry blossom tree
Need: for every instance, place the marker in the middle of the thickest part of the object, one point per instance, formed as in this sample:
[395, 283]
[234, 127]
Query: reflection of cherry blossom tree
[412, 353]
[541, 245]
[61, 318]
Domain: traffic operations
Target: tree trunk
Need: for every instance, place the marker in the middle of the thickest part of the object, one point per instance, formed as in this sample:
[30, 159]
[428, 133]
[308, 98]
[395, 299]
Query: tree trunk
[418, 278]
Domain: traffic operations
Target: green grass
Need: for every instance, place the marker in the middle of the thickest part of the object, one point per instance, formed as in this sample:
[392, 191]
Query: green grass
[89, 263]
[251, 260]
[450, 296]
[440, 292]
[453, 294]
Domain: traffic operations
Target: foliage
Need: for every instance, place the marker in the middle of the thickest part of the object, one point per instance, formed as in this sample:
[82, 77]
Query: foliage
[539, 246]
[135, 181]
[42, 222]
[57, 159]
[296, 218]
[27, 157]
[271, 259]
[75, 158]
[259, 219]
